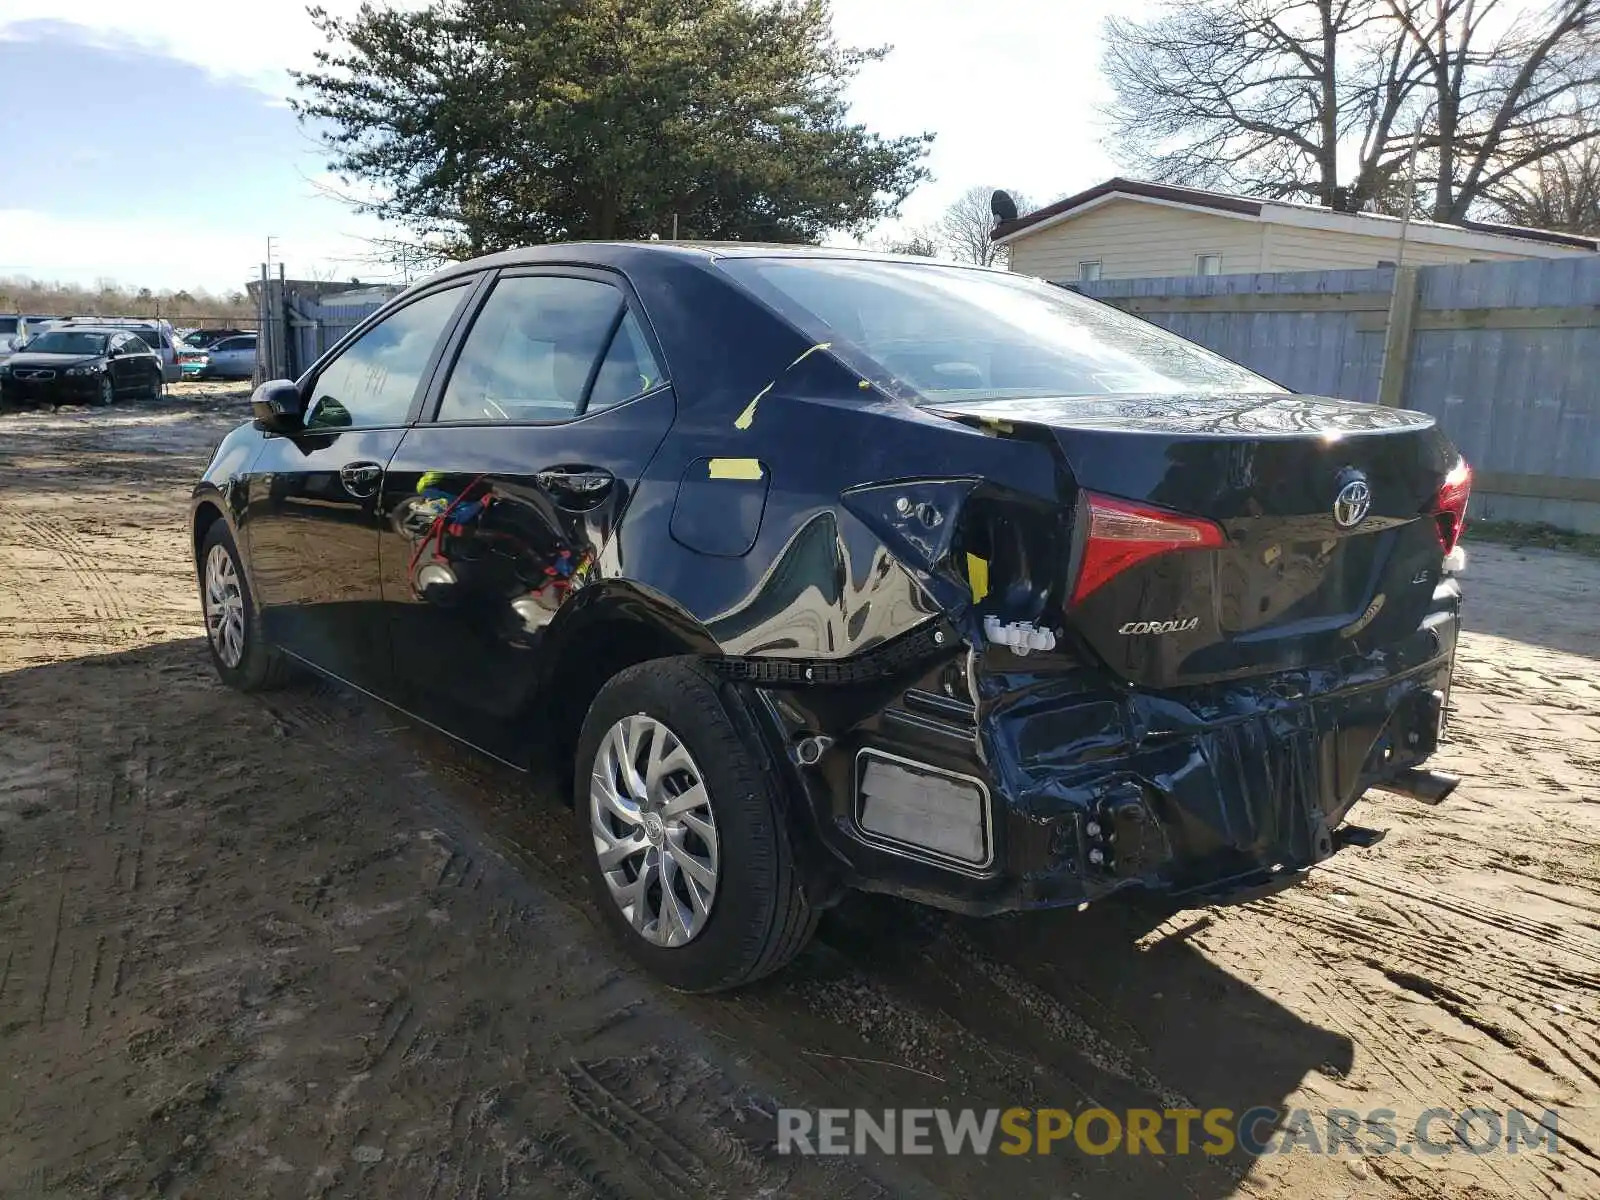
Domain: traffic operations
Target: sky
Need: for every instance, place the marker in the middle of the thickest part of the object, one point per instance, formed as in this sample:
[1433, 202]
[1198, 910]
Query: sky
[153, 146]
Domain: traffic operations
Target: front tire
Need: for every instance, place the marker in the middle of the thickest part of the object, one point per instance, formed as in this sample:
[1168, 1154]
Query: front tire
[242, 656]
[106, 393]
[690, 861]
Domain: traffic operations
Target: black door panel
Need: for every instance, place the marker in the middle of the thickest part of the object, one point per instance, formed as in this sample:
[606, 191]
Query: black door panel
[489, 529]
[313, 507]
[314, 549]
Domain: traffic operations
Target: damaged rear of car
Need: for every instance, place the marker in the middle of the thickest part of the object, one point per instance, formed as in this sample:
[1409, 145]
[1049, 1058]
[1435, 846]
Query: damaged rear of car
[1185, 618]
[827, 570]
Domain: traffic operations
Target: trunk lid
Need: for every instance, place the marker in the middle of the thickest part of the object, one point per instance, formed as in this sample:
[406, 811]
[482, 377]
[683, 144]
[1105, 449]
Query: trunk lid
[1293, 583]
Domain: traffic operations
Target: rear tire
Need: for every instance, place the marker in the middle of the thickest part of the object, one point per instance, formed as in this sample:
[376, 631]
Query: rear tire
[757, 918]
[241, 654]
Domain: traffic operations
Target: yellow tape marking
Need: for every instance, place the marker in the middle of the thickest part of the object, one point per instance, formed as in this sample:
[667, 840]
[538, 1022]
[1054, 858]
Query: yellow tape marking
[744, 419]
[749, 414]
[978, 576]
[735, 468]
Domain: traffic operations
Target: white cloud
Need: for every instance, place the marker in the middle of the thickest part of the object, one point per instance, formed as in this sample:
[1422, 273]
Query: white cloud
[255, 43]
[169, 254]
[1008, 88]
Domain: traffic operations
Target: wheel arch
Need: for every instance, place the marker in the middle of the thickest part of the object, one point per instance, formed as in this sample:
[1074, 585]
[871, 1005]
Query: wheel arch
[207, 512]
[611, 626]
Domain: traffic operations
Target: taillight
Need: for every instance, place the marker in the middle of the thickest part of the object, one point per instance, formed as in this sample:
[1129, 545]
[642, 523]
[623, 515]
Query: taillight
[1450, 505]
[1123, 534]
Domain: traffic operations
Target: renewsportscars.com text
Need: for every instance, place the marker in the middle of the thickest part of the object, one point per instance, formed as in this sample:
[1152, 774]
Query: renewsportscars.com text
[1181, 1131]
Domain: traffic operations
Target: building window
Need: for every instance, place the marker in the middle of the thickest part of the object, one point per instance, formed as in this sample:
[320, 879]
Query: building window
[1089, 272]
[1208, 264]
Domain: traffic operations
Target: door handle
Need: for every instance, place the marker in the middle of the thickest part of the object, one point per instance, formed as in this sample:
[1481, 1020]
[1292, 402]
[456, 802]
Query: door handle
[361, 479]
[575, 484]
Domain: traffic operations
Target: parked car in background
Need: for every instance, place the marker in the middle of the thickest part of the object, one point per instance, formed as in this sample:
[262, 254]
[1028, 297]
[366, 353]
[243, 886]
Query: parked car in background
[16, 328]
[827, 570]
[157, 334]
[192, 361]
[208, 337]
[80, 364]
[231, 358]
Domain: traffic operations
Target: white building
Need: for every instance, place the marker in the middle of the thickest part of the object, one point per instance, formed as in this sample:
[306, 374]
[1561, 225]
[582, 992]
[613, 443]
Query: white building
[1125, 229]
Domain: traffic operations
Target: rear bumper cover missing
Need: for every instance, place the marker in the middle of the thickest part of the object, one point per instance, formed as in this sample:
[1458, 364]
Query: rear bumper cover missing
[1211, 795]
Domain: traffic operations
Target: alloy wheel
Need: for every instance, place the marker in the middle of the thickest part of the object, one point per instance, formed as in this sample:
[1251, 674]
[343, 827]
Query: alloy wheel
[654, 830]
[224, 604]
[107, 392]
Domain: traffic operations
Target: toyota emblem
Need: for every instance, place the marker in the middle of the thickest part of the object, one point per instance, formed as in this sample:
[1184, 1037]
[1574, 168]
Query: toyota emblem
[1351, 504]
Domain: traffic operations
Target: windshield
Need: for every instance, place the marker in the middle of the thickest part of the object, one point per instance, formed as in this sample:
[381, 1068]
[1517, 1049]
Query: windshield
[64, 341]
[951, 333]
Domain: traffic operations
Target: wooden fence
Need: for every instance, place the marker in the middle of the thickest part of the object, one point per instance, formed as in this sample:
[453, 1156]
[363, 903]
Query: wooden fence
[1506, 355]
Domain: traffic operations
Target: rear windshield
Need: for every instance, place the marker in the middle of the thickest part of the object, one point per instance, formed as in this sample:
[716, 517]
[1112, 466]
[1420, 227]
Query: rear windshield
[952, 333]
[61, 341]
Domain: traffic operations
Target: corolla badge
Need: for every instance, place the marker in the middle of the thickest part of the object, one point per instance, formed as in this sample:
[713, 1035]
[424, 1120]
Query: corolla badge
[1181, 625]
[1351, 505]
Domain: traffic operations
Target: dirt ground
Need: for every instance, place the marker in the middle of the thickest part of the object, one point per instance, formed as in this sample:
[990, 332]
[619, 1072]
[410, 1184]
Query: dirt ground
[293, 947]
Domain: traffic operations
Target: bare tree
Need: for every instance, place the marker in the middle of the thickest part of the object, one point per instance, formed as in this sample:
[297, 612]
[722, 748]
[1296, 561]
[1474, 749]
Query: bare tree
[1561, 191]
[918, 241]
[965, 227]
[1505, 89]
[107, 298]
[1266, 95]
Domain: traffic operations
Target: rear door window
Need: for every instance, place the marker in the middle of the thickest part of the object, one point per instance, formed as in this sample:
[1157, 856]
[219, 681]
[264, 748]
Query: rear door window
[629, 368]
[532, 349]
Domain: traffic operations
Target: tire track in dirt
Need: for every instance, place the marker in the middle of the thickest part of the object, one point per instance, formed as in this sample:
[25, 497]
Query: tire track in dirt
[1449, 1012]
[52, 952]
[106, 606]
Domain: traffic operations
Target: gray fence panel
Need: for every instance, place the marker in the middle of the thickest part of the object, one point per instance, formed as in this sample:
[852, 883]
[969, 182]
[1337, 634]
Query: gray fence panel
[315, 328]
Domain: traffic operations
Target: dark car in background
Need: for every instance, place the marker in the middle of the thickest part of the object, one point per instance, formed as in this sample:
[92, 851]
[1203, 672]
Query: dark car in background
[203, 338]
[828, 570]
[156, 333]
[81, 364]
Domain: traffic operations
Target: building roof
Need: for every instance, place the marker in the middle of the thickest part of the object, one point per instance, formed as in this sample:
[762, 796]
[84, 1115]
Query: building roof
[1283, 211]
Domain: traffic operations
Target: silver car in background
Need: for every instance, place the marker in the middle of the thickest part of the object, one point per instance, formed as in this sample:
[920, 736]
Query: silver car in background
[17, 328]
[231, 358]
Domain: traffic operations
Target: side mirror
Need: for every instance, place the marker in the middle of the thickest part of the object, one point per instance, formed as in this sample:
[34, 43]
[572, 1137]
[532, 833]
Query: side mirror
[278, 406]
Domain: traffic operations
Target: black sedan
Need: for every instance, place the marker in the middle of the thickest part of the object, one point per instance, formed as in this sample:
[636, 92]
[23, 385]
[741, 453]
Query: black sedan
[80, 366]
[826, 570]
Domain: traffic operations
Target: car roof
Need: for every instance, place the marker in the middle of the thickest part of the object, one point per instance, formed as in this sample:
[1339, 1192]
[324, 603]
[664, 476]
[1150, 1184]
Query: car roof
[628, 255]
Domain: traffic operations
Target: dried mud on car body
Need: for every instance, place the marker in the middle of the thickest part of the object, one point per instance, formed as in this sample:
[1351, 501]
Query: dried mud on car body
[292, 947]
